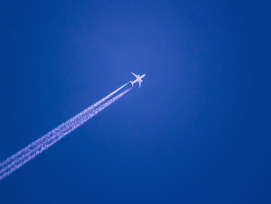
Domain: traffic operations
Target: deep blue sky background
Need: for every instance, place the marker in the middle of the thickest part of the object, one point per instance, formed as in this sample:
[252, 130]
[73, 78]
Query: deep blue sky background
[198, 131]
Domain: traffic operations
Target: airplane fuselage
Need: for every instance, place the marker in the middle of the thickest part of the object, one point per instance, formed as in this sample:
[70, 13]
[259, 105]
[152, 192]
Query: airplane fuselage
[138, 79]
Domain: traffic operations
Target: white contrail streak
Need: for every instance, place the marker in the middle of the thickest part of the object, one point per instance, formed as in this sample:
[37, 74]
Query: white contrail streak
[45, 137]
[26, 154]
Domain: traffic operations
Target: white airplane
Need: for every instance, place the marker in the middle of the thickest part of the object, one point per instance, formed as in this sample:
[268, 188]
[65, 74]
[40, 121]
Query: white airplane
[138, 79]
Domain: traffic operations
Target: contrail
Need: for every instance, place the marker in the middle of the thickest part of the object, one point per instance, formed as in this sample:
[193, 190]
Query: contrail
[60, 127]
[26, 154]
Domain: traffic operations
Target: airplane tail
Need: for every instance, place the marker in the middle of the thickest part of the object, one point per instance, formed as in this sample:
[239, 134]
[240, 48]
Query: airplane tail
[132, 83]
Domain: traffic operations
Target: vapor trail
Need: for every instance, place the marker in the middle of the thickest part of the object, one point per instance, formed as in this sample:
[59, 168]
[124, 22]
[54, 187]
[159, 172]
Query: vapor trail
[45, 137]
[26, 154]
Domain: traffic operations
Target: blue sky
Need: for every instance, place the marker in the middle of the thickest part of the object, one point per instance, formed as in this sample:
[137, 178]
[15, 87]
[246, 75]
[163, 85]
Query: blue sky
[197, 131]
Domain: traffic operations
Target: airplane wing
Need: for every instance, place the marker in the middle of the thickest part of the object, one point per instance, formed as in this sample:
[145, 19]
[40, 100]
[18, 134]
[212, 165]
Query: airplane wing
[134, 74]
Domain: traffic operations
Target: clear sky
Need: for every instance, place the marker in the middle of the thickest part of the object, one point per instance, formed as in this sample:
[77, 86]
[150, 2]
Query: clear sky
[197, 131]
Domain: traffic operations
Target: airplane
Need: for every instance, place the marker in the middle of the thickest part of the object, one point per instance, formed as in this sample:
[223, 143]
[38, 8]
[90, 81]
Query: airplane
[138, 79]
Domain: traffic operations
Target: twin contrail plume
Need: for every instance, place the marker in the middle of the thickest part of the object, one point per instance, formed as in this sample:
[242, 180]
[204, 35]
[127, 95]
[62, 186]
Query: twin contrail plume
[26, 154]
